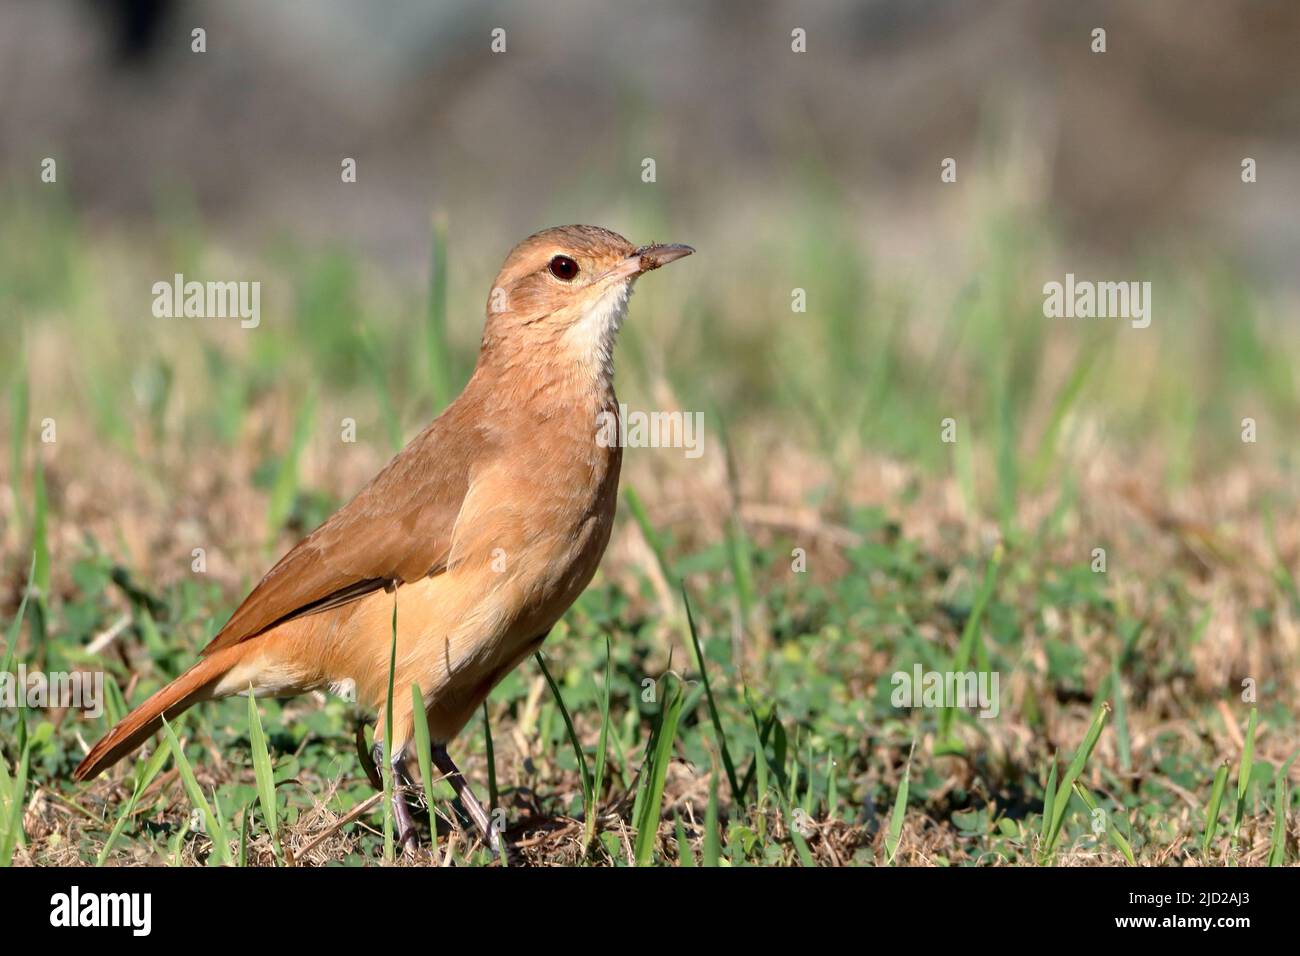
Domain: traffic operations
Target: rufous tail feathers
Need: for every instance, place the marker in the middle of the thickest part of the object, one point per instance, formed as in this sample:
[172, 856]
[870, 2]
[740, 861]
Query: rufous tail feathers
[135, 728]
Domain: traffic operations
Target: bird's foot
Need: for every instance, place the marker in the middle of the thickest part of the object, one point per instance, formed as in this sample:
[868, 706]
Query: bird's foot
[491, 835]
[407, 835]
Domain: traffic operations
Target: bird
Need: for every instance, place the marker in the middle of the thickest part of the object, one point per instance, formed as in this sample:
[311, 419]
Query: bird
[475, 538]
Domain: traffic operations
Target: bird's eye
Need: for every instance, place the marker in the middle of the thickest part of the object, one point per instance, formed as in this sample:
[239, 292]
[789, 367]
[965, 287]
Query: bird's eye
[564, 268]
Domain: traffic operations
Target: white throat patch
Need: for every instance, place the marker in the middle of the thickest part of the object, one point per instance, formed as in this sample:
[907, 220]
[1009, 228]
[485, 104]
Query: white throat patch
[592, 337]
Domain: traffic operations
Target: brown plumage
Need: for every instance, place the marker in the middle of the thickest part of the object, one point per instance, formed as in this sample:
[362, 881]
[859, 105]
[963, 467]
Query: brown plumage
[482, 531]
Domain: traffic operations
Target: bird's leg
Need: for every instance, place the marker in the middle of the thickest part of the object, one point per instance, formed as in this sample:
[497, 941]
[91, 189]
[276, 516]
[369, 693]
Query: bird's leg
[406, 835]
[442, 760]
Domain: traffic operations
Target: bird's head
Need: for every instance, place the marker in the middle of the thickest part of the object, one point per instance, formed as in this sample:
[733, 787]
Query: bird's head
[562, 293]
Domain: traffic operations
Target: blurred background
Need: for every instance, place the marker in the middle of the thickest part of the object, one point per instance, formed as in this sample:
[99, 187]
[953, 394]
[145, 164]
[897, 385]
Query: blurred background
[1125, 148]
[816, 171]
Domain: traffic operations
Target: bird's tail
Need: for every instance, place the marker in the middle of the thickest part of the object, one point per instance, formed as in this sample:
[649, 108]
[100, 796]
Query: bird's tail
[135, 728]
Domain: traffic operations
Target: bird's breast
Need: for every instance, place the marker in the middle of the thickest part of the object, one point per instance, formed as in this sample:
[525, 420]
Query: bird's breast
[536, 520]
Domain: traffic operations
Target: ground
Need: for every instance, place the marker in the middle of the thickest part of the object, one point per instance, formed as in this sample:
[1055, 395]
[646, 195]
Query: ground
[1101, 533]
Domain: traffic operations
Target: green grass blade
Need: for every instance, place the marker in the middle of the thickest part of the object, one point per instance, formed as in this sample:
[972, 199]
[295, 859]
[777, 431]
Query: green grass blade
[685, 855]
[6, 786]
[1212, 808]
[895, 834]
[737, 794]
[387, 768]
[1117, 838]
[222, 823]
[588, 791]
[1243, 772]
[760, 751]
[800, 844]
[144, 777]
[753, 764]
[966, 648]
[1049, 799]
[602, 747]
[761, 772]
[1277, 842]
[711, 851]
[177, 843]
[1281, 801]
[243, 834]
[16, 625]
[647, 823]
[424, 754]
[832, 786]
[1062, 799]
[215, 827]
[13, 824]
[114, 703]
[262, 772]
[1123, 746]
[14, 788]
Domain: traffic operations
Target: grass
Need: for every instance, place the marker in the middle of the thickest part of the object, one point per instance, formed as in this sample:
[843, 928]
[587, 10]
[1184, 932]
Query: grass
[1243, 772]
[1065, 789]
[898, 815]
[13, 803]
[209, 813]
[423, 751]
[648, 808]
[388, 771]
[585, 776]
[261, 758]
[146, 771]
[753, 604]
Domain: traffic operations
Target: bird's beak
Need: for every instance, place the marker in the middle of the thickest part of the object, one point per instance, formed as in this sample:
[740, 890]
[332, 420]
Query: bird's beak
[652, 257]
[649, 258]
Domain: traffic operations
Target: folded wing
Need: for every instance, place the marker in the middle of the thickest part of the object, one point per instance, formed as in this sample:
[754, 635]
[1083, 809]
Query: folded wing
[397, 529]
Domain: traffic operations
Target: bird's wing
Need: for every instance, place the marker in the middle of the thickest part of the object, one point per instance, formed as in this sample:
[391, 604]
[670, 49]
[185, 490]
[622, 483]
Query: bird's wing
[397, 529]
